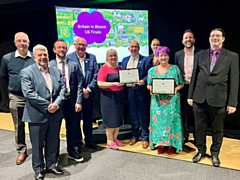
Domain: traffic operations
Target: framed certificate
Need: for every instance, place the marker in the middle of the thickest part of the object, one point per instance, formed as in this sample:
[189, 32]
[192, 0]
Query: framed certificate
[163, 86]
[127, 76]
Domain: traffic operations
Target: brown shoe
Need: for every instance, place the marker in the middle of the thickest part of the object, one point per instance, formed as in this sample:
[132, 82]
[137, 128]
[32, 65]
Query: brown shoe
[132, 141]
[144, 144]
[21, 158]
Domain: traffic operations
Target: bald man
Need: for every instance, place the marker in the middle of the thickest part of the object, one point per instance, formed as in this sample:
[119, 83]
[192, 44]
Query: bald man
[138, 98]
[11, 66]
[89, 68]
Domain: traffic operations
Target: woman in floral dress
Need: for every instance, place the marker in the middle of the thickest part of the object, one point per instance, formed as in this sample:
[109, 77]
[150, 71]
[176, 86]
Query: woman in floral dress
[165, 115]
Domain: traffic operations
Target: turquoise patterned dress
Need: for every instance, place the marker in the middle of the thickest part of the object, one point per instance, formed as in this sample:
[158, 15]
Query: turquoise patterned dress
[165, 112]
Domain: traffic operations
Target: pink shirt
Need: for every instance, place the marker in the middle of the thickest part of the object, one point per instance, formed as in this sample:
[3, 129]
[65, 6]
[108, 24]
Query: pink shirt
[46, 75]
[188, 66]
[217, 55]
[106, 71]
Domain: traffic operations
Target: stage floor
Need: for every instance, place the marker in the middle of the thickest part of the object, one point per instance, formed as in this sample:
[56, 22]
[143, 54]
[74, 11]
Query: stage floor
[229, 156]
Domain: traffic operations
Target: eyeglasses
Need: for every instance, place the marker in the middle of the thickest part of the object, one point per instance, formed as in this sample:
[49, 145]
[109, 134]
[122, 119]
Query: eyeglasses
[215, 35]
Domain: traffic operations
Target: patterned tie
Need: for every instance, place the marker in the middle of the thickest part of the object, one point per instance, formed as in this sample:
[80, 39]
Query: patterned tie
[63, 73]
[213, 61]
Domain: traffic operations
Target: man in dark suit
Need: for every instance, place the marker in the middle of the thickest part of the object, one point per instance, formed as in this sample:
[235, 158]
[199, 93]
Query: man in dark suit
[44, 91]
[89, 68]
[73, 79]
[11, 65]
[185, 59]
[213, 91]
[138, 97]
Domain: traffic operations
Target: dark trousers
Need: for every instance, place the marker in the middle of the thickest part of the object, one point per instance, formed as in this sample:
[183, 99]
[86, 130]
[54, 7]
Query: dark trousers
[187, 113]
[4, 99]
[207, 115]
[87, 117]
[72, 120]
[16, 106]
[44, 135]
[138, 112]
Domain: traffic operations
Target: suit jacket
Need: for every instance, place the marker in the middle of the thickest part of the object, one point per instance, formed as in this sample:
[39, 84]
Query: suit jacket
[144, 64]
[179, 59]
[91, 69]
[75, 80]
[219, 87]
[38, 96]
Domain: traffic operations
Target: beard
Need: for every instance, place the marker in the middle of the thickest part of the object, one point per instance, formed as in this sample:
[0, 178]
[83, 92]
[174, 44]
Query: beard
[61, 55]
[188, 46]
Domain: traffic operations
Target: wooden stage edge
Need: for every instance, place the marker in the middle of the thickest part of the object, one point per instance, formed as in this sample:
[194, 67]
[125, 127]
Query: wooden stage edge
[229, 156]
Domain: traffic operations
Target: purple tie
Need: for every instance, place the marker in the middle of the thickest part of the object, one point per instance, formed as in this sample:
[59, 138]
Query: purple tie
[63, 73]
[213, 61]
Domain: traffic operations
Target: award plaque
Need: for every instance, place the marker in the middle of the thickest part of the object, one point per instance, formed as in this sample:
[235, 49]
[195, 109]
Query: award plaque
[127, 76]
[163, 86]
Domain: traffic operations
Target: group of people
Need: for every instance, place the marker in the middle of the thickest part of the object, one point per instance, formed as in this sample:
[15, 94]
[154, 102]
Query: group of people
[43, 92]
[206, 87]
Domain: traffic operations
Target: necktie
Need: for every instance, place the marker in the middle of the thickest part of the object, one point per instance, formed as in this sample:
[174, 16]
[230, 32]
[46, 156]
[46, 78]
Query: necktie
[213, 61]
[63, 73]
[133, 62]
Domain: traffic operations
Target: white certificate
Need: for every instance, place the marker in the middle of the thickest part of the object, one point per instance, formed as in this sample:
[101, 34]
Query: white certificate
[127, 76]
[163, 86]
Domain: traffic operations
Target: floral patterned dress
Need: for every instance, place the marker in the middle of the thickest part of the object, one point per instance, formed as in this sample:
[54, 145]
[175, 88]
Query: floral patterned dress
[165, 113]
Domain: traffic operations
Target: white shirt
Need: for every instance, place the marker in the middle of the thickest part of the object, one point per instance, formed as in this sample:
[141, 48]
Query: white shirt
[82, 63]
[133, 62]
[59, 65]
[19, 55]
[81, 60]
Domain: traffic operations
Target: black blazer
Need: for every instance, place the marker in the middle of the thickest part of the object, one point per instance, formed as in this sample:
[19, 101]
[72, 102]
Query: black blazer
[179, 59]
[220, 87]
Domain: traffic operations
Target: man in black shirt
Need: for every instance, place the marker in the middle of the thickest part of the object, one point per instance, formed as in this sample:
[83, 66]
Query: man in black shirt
[11, 66]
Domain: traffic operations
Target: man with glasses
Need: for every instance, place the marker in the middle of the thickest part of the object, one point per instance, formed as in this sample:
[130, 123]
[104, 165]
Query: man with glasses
[213, 91]
[11, 66]
[89, 68]
[137, 95]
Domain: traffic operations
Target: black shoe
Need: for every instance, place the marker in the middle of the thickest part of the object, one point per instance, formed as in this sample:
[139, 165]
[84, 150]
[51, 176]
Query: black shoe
[75, 156]
[215, 161]
[92, 146]
[198, 157]
[39, 176]
[55, 171]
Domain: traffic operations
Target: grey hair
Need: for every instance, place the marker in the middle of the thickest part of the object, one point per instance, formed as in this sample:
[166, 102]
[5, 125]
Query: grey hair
[20, 33]
[111, 50]
[39, 47]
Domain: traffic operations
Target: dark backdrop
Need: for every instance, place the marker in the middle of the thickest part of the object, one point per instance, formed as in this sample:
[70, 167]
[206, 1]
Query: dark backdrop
[167, 21]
